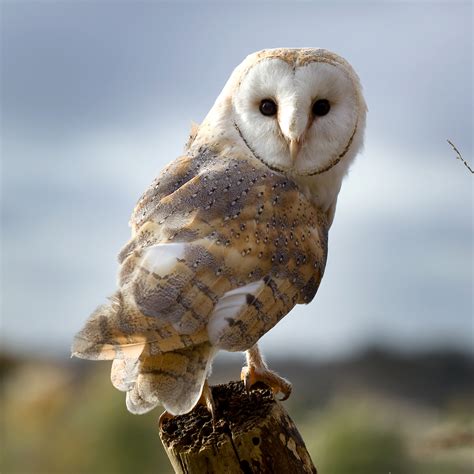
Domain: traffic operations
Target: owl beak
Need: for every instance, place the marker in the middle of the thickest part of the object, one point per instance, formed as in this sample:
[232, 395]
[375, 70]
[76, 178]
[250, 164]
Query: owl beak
[294, 146]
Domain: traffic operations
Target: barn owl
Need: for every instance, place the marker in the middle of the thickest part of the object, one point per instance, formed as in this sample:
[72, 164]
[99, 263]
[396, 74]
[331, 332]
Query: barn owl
[233, 234]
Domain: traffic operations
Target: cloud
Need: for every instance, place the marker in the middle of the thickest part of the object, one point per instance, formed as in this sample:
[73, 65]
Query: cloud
[97, 97]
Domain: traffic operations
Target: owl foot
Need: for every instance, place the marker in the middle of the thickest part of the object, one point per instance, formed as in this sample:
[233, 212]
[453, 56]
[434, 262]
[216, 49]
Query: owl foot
[164, 417]
[256, 370]
[251, 375]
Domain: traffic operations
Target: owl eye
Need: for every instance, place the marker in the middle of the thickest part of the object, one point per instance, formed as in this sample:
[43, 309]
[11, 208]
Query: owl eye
[268, 107]
[321, 107]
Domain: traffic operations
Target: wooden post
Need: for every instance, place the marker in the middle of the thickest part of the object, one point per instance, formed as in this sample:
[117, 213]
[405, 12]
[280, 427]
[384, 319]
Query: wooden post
[252, 433]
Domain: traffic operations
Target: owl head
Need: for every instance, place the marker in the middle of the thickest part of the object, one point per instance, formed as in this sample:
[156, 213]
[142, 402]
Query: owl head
[300, 111]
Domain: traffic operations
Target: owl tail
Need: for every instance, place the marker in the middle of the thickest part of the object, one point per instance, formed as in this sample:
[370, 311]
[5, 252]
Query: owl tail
[172, 379]
[107, 334]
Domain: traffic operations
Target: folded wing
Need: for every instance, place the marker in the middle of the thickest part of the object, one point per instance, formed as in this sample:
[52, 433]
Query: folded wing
[222, 249]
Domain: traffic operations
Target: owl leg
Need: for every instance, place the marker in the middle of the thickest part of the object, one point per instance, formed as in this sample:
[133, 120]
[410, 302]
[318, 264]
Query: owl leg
[207, 400]
[257, 371]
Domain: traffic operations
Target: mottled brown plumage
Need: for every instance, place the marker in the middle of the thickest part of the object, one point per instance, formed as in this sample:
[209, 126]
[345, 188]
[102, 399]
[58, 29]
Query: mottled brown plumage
[238, 223]
[232, 235]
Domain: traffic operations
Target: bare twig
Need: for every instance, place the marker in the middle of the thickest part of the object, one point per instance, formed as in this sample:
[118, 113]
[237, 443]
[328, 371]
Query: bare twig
[459, 157]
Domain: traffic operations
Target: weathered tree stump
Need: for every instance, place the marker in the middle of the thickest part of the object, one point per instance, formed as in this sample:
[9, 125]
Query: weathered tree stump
[252, 433]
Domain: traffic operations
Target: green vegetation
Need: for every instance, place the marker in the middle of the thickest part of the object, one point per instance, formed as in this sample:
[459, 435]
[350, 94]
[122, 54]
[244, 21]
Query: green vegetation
[69, 419]
[75, 425]
[350, 440]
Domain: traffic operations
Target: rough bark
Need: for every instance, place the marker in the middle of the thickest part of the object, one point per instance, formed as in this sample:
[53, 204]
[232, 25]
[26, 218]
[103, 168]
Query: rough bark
[252, 433]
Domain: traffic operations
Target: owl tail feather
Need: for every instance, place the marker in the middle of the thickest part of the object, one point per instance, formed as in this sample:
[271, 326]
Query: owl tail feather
[104, 338]
[124, 373]
[173, 379]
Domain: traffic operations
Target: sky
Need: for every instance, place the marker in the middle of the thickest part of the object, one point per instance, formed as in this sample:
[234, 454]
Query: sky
[98, 96]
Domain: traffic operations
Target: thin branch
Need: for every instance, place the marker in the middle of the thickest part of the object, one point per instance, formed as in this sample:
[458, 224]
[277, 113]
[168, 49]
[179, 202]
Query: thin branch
[459, 157]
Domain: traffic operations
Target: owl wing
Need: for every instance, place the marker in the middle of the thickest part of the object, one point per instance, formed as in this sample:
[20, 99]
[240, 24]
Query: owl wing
[222, 250]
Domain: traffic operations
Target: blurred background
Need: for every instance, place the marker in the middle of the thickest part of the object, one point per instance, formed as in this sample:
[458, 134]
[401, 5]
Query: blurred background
[96, 97]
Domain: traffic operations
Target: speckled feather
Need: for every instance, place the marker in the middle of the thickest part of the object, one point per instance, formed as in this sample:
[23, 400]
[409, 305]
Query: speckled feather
[236, 222]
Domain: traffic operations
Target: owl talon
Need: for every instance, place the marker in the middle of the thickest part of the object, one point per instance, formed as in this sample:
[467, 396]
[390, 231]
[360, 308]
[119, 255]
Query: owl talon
[246, 378]
[251, 375]
[165, 416]
[207, 400]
